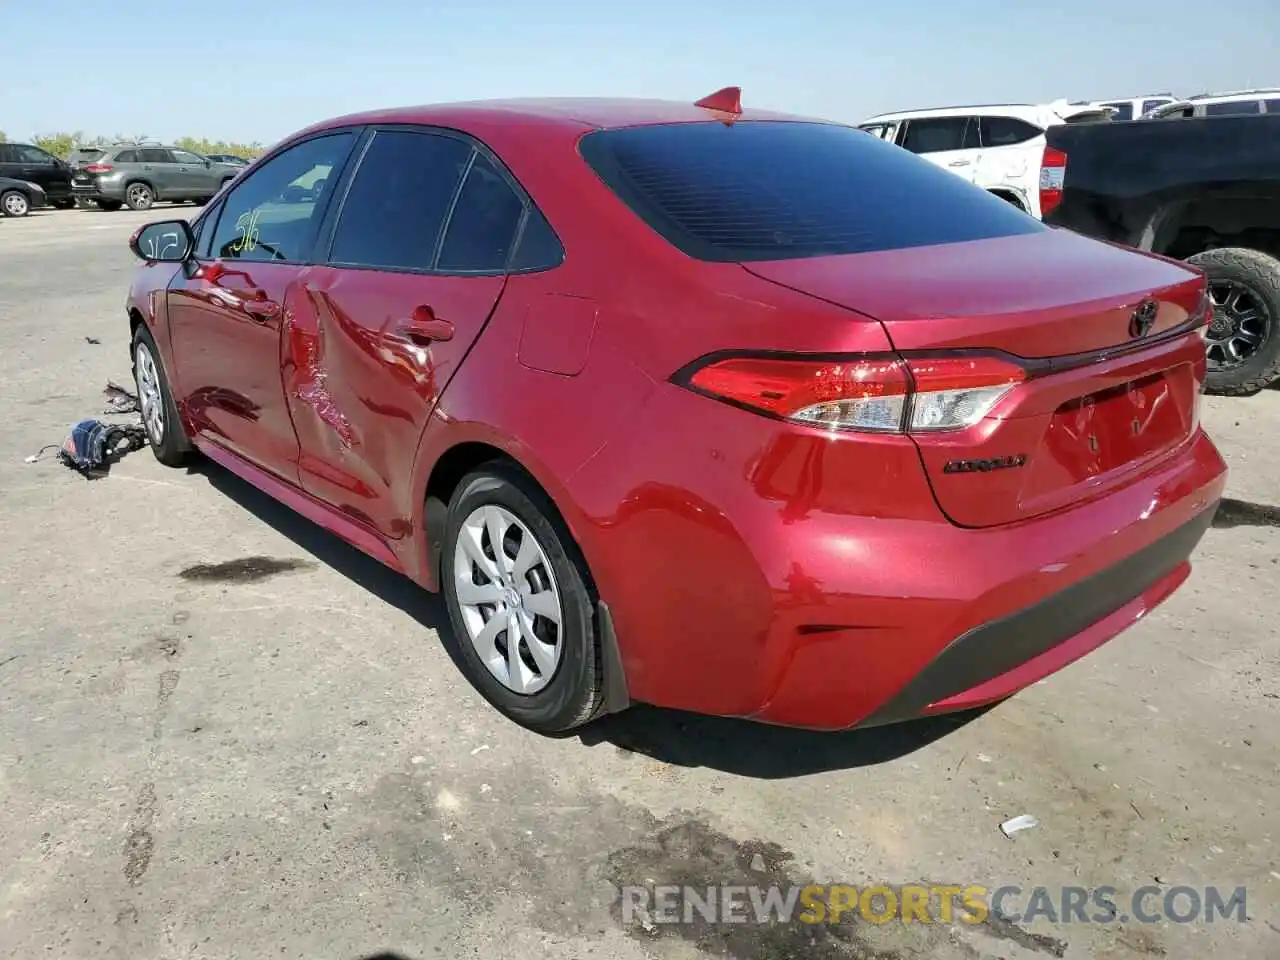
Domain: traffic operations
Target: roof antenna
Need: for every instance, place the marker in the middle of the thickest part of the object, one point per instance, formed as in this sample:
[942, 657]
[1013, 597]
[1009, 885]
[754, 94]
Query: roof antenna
[728, 100]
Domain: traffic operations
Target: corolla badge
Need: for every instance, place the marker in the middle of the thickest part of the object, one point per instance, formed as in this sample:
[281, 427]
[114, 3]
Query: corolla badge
[985, 466]
[1142, 319]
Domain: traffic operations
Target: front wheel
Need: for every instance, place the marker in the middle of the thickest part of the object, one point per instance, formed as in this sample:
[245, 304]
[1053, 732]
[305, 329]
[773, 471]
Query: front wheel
[159, 413]
[522, 613]
[139, 196]
[14, 203]
[1243, 343]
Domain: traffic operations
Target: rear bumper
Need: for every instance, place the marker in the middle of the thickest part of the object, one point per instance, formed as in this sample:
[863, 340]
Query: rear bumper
[1000, 657]
[97, 191]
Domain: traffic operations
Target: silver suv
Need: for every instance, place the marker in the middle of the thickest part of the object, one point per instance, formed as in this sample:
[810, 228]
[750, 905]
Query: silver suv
[139, 174]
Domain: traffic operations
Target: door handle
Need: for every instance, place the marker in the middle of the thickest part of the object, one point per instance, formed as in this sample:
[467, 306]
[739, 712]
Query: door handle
[425, 327]
[261, 309]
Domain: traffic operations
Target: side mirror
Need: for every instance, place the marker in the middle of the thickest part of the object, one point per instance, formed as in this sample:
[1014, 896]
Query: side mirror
[208, 163]
[169, 241]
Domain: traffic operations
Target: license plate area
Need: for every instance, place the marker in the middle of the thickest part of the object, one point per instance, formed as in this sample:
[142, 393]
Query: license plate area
[1121, 426]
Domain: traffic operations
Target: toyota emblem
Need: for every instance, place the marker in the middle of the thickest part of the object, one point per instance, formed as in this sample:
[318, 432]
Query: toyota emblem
[1142, 319]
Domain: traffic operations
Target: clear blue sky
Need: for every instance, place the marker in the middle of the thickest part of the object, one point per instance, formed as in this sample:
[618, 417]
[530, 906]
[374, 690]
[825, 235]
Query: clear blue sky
[259, 70]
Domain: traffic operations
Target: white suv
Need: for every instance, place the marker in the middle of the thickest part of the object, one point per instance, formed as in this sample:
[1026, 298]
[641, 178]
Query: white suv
[1131, 108]
[1236, 103]
[1000, 148]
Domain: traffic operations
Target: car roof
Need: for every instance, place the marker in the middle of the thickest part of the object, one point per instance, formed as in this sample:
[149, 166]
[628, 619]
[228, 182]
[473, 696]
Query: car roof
[567, 114]
[1026, 111]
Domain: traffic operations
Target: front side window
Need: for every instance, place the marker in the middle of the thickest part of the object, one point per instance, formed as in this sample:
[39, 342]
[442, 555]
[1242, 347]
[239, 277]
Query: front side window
[1123, 110]
[1149, 105]
[182, 156]
[399, 200]
[273, 214]
[781, 190]
[35, 155]
[936, 134]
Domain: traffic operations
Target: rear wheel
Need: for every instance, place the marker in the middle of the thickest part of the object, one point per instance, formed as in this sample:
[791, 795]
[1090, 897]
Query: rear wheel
[66, 203]
[139, 196]
[14, 203]
[1243, 343]
[518, 600]
[109, 205]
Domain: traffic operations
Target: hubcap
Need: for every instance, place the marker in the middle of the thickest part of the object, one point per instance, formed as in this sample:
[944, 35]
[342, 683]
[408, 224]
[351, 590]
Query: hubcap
[1240, 324]
[509, 599]
[149, 394]
[15, 204]
[139, 196]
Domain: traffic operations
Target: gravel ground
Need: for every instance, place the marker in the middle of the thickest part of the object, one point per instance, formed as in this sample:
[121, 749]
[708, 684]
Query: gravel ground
[202, 757]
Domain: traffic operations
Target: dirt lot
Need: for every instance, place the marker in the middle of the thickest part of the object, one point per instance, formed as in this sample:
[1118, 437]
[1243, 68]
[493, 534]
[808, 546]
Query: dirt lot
[200, 758]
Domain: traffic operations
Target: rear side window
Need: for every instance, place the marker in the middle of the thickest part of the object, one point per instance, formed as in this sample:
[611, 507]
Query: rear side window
[1123, 110]
[1231, 108]
[936, 134]
[482, 228]
[154, 155]
[1273, 106]
[1149, 105]
[1006, 131]
[127, 156]
[775, 190]
[539, 248]
[399, 200]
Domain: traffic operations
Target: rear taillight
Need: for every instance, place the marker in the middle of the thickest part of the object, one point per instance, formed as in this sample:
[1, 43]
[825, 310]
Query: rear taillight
[876, 394]
[1053, 171]
[98, 168]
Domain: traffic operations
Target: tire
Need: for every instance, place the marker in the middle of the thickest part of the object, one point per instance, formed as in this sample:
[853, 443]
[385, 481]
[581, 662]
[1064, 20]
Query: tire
[570, 691]
[68, 203]
[109, 205]
[168, 439]
[139, 196]
[1257, 276]
[14, 203]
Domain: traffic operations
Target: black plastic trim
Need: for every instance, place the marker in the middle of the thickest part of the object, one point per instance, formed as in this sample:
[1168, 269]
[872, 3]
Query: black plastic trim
[995, 648]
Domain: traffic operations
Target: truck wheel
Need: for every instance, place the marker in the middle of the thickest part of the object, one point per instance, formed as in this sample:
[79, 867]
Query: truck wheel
[1243, 341]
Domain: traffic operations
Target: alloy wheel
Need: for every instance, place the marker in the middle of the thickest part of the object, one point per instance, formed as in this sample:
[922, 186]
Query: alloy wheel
[150, 397]
[15, 204]
[1239, 326]
[509, 598]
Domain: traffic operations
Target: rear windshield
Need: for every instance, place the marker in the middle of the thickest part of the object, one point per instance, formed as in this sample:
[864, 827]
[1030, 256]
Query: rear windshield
[782, 190]
[85, 155]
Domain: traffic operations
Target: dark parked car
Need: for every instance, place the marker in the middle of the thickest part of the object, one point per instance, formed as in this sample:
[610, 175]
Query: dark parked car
[137, 175]
[1205, 190]
[22, 161]
[20, 197]
[714, 409]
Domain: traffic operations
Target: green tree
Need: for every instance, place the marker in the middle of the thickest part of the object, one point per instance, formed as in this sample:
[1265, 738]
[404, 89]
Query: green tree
[3, 138]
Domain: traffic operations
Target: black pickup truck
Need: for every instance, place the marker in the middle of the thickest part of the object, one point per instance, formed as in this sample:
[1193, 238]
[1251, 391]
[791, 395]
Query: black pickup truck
[1205, 190]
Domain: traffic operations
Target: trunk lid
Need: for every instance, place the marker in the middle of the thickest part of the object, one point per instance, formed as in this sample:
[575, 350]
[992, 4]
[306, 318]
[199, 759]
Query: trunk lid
[1098, 404]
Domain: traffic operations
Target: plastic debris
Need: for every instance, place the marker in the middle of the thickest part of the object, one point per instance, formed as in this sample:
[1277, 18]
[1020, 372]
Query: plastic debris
[483, 746]
[757, 863]
[1019, 823]
[120, 400]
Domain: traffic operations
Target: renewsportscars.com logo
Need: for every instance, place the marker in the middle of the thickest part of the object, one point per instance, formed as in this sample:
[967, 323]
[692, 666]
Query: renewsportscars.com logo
[932, 903]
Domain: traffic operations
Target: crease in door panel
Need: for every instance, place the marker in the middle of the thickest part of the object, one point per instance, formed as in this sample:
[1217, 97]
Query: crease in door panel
[311, 380]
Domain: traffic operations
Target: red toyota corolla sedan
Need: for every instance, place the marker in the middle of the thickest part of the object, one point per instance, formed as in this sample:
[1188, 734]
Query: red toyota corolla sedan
[708, 408]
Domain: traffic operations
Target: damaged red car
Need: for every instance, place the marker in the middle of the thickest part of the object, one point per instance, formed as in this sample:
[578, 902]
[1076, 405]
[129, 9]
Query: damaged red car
[691, 405]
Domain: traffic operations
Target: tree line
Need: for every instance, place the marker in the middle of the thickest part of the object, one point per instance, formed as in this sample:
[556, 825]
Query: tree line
[61, 144]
